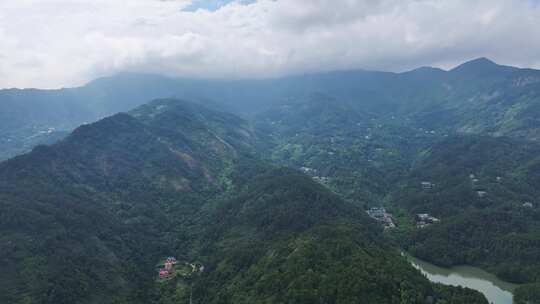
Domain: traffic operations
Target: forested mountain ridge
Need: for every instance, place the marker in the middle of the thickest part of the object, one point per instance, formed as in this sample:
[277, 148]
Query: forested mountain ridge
[86, 220]
[473, 181]
[485, 192]
[357, 153]
[477, 97]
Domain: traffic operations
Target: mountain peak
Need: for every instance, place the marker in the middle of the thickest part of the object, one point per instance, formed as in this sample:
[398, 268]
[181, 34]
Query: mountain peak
[481, 61]
[480, 66]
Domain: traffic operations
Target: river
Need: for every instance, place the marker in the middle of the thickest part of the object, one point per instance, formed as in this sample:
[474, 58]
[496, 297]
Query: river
[495, 290]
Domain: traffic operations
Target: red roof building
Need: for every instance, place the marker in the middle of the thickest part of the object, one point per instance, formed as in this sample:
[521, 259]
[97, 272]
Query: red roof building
[163, 273]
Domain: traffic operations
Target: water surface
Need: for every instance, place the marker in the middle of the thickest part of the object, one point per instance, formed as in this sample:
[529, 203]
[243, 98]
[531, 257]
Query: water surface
[495, 290]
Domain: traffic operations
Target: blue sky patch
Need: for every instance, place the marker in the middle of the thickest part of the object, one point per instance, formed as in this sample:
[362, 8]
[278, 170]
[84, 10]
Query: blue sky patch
[212, 5]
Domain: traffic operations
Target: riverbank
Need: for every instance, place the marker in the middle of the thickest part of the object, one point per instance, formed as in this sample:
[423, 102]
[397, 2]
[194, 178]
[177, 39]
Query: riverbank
[495, 290]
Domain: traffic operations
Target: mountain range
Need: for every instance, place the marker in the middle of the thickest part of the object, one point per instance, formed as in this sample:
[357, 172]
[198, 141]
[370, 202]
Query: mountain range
[264, 184]
[479, 96]
[86, 219]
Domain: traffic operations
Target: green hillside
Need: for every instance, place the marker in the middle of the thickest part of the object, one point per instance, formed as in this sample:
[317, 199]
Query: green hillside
[84, 219]
[478, 97]
[87, 219]
[485, 195]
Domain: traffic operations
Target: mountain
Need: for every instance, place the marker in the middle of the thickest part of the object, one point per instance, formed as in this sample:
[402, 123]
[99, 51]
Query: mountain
[481, 97]
[489, 220]
[355, 152]
[294, 241]
[481, 67]
[476, 97]
[82, 219]
[87, 219]
[485, 194]
[165, 175]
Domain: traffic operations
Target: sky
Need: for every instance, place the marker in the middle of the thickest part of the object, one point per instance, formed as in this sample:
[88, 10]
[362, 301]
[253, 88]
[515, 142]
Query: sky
[65, 43]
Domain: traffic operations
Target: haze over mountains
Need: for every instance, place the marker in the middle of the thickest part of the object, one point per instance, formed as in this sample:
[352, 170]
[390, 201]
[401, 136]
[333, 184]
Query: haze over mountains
[265, 183]
[476, 97]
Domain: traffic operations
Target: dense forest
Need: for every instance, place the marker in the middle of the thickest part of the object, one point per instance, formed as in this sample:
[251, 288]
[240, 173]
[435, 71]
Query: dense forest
[479, 97]
[87, 219]
[270, 208]
[527, 294]
[484, 192]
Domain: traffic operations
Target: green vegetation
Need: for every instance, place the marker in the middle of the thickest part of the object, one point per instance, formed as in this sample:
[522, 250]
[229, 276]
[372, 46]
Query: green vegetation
[499, 231]
[287, 239]
[381, 161]
[478, 97]
[527, 294]
[85, 220]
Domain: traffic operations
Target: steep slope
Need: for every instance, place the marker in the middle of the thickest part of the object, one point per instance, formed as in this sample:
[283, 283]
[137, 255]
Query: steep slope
[476, 97]
[356, 152]
[87, 219]
[484, 190]
[481, 97]
[84, 219]
[367, 158]
[286, 239]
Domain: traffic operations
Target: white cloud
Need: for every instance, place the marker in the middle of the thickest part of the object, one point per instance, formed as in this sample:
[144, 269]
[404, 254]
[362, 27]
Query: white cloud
[53, 43]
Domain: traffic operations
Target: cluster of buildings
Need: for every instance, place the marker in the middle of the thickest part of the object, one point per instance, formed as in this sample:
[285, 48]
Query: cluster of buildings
[528, 205]
[424, 219]
[480, 192]
[168, 268]
[427, 185]
[314, 174]
[379, 214]
[321, 179]
[308, 170]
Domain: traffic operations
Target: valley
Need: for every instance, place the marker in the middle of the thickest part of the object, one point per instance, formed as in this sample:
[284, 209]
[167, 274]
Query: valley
[267, 183]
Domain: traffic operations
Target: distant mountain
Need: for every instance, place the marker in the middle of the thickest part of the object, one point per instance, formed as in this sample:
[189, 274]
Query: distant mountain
[476, 97]
[93, 213]
[87, 220]
[481, 67]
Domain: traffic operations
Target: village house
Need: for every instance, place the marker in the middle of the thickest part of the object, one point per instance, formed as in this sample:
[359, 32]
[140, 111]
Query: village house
[321, 179]
[308, 170]
[481, 193]
[172, 260]
[376, 212]
[163, 273]
[427, 218]
[427, 185]
[380, 214]
[424, 219]
[167, 268]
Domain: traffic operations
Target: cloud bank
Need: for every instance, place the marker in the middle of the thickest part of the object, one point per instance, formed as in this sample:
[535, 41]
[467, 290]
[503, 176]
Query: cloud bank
[58, 43]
